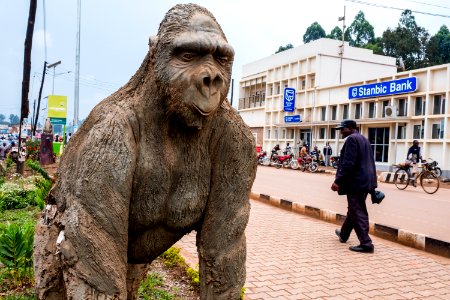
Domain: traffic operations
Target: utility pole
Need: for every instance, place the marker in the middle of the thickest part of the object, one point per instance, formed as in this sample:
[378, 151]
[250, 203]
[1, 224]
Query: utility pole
[24, 110]
[77, 68]
[39, 99]
[341, 51]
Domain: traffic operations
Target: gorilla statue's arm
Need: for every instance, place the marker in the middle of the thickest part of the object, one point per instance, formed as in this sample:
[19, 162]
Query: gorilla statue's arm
[94, 197]
[221, 239]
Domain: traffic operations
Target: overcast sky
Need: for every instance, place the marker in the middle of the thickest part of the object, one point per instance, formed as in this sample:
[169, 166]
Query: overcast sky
[114, 38]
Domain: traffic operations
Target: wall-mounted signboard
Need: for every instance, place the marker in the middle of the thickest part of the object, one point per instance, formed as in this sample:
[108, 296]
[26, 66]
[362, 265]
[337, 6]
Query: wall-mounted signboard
[393, 87]
[289, 99]
[292, 119]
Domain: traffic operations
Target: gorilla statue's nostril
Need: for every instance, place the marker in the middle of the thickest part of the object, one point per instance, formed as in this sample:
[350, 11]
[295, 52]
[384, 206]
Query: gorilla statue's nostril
[206, 81]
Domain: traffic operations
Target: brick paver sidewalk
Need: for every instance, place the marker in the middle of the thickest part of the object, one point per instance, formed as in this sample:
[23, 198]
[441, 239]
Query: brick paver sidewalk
[292, 256]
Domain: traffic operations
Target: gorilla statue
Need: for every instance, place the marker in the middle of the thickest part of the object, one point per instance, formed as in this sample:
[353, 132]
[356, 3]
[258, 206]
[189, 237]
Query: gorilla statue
[164, 155]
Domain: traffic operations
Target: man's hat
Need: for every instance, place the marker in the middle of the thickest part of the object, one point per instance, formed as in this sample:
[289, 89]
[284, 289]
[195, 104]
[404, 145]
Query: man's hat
[347, 124]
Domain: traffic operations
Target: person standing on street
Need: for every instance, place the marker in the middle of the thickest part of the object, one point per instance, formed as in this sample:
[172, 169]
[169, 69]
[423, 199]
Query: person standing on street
[327, 151]
[355, 177]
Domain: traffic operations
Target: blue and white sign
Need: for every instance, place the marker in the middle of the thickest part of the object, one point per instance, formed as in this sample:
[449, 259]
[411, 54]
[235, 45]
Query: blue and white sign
[400, 86]
[292, 119]
[289, 99]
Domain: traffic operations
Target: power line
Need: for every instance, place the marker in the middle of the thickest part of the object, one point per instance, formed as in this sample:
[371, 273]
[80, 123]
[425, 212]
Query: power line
[440, 6]
[396, 8]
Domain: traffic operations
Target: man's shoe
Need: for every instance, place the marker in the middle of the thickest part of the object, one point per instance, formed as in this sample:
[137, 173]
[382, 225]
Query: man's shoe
[362, 248]
[338, 233]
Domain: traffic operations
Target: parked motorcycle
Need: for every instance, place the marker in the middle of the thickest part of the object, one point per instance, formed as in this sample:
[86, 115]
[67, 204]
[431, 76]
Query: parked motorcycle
[263, 159]
[334, 161]
[282, 160]
[432, 166]
[307, 162]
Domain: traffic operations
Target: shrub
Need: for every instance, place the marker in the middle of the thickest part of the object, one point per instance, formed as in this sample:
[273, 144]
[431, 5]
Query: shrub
[33, 148]
[16, 254]
[37, 167]
[150, 288]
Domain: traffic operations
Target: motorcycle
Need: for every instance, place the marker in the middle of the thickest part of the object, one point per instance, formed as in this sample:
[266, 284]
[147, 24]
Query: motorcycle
[282, 160]
[263, 159]
[432, 166]
[334, 161]
[307, 162]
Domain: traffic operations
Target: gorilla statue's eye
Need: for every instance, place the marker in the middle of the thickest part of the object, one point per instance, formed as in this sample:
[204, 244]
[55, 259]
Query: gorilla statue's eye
[187, 56]
[222, 59]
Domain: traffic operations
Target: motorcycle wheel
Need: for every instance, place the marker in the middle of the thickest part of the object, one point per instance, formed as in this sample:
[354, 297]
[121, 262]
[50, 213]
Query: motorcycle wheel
[334, 164]
[277, 164]
[294, 164]
[266, 161]
[313, 167]
[437, 171]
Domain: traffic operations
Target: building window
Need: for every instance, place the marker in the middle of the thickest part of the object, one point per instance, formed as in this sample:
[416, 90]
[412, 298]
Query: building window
[345, 112]
[291, 134]
[312, 82]
[333, 112]
[268, 133]
[372, 110]
[435, 131]
[358, 111]
[379, 140]
[283, 134]
[322, 133]
[402, 107]
[438, 105]
[323, 113]
[418, 131]
[383, 111]
[333, 133]
[419, 107]
[401, 132]
[276, 133]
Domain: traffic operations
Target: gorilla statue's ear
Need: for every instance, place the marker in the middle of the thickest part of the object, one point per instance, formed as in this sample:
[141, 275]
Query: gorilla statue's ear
[152, 41]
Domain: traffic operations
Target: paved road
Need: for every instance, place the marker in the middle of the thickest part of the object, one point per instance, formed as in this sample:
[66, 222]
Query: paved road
[411, 209]
[292, 256]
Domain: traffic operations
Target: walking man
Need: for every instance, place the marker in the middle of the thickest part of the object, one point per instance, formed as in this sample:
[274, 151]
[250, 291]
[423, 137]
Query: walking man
[327, 151]
[355, 177]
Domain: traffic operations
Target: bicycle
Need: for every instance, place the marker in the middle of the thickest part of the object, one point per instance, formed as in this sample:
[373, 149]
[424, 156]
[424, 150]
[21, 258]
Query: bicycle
[428, 179]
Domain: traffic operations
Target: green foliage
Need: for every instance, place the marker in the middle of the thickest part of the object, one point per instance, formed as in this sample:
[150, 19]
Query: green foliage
[24, 192]
[193, 275]
[16, 254]
[313, 32]
[438, 48]
[360, 31]
[335, 34]
[242, 293]
[284, 48]
[172, 257]
[19, 297]
[37, 167]
[150, 288]
[14, 119]
[20, 216]
[33, 148]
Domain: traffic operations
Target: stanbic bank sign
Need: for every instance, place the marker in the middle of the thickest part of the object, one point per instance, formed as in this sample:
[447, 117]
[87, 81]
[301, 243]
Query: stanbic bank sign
[400, 86]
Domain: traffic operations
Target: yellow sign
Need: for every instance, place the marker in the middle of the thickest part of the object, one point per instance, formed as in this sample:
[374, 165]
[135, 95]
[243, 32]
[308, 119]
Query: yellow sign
[57, 106]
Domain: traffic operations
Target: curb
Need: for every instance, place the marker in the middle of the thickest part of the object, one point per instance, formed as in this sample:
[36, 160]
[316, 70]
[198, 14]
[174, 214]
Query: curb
[402, 236]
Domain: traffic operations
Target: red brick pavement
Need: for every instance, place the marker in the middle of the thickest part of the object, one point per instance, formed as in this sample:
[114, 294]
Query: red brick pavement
[292, 256]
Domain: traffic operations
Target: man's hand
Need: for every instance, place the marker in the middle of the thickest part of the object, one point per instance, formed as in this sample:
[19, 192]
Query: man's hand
[334, 187]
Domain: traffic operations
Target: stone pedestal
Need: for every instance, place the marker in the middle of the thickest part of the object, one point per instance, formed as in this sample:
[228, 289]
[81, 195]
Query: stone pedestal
[46, 156]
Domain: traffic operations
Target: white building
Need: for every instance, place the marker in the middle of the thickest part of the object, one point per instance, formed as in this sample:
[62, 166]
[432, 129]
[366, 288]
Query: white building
[323, 77]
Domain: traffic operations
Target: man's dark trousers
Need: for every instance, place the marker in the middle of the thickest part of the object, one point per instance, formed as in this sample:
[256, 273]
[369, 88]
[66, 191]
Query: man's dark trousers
[357, 218]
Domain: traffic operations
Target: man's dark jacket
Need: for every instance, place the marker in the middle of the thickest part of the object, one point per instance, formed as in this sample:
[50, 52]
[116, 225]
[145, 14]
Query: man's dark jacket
[356, 171]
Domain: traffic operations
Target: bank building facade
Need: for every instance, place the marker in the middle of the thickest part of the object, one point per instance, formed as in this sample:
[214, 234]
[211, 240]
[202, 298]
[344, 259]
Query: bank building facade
[300, 95]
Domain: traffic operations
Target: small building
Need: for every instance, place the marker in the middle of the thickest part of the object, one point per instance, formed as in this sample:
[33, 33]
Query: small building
[298, 96]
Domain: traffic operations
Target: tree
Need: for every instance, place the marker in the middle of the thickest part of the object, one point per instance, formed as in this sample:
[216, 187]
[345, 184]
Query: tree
[284, 48]
[335, 34]
[360, 31]
[14, 119]
[2, 118]
[438, 48]
[407, 41]
[376, 46]
[313, 32]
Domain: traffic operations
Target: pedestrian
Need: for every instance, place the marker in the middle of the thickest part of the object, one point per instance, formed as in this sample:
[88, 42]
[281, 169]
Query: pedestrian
[287, 150]
[355, 177]
[327, 151]
[4, 148]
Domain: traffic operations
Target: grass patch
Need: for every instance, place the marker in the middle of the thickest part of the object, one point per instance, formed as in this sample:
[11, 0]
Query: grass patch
[20, 216]
[152, 288]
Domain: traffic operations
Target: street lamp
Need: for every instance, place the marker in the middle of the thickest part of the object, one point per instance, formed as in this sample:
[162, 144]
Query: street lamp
[53, 65]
